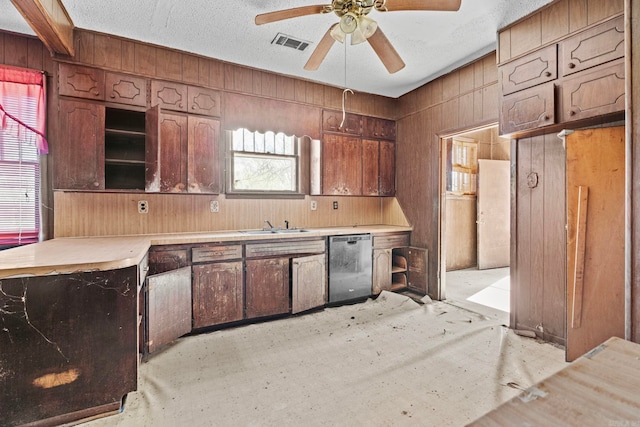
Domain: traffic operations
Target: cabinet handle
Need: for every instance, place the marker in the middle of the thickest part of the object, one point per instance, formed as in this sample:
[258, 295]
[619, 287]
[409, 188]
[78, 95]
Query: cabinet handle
[572, 113]
[96, 93]
[547, 74]
[113, 95]
[572, 65]
[96, 184]
[545, 118]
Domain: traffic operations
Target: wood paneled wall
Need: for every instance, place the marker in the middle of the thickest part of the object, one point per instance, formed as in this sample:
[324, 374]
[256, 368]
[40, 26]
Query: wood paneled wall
[106, 214]
[461, 100]
[130, 56]
[86, 214]
[552, 23]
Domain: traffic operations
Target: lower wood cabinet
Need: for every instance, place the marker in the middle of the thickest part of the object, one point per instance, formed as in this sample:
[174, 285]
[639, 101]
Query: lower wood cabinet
[381, 270]
[217, 293]
[308, 282]
[266, 287]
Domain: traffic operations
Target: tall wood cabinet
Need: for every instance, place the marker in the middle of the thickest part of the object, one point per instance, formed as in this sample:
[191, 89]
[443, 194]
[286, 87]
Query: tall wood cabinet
[357, 159]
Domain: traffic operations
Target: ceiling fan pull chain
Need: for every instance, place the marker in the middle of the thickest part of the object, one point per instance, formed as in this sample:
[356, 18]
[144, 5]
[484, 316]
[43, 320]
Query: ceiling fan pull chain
[344, 113]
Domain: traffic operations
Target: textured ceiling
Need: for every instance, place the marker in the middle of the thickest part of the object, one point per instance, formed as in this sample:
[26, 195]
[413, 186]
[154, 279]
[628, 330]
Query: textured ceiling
[430, 43]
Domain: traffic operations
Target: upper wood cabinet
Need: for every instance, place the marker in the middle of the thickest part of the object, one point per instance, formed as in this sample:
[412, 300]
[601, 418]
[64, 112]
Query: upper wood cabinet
[370, 167]
[126, 89]
[81, 82]
[593, 94]
[169, 95]
[331, 121]
[188, 154]
[93, 83]
[580, 77]
[593, 47]
[379, 128]
[181, 97]
[203, 160]
[387, 169]
[203, 101]
[529, 109]
[79, 158]
[530, 70]
[341, 165]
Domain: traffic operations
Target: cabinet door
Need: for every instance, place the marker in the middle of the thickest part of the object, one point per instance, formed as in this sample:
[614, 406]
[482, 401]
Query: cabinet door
[126, 89]
[81, 82]
[592, 47]
[203, 101]
[387, 165]
[528, 109]
[168, 307]
[536, 68]
[173, 153]
[79, 161]
[267, 287]
[308, 283]
[217, 293]
[331, 121]
[169, 95]
[379, 128]
[593, 94]
[203, 163]
[342, 165]
[370, 167]
[381, 270]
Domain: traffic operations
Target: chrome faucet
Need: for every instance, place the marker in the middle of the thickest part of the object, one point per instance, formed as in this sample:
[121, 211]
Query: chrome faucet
[266, 221]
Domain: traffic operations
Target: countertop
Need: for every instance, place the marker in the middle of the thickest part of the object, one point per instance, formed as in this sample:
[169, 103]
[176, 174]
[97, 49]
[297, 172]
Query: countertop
[68, 255]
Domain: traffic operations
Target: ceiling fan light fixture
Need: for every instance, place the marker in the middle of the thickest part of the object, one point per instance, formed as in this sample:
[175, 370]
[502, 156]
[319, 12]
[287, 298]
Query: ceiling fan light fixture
[366, 28]
[349, 22]
[337, 34]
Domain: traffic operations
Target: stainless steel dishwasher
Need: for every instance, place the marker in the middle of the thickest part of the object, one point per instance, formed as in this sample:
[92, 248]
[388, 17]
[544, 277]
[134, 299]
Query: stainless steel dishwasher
[350, 267]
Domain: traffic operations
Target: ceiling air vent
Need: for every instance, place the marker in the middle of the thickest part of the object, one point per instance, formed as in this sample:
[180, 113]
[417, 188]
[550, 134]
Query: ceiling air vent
[288, 41]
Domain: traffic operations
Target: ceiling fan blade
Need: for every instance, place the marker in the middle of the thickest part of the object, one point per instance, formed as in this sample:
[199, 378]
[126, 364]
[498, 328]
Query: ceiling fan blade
[394, 5]
[321, 51]
[386, 52]
[295, 12]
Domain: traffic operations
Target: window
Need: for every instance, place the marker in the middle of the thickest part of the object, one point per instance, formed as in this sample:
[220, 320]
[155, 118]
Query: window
[22, 114]
[263, 163]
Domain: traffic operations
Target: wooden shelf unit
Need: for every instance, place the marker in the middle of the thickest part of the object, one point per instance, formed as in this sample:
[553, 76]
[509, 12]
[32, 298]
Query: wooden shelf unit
[124, 149]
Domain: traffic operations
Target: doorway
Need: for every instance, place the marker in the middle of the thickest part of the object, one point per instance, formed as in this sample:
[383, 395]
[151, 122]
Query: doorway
[474, 220]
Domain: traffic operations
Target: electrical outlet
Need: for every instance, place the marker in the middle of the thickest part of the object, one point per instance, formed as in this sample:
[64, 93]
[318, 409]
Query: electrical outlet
[314, 205]
[335, 204]
[143, 206]
[215, 206]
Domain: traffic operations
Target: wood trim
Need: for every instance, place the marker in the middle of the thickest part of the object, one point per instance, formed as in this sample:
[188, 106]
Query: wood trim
[51, 22]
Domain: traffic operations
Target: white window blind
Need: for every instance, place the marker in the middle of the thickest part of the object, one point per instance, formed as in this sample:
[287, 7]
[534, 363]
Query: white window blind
[19, 174]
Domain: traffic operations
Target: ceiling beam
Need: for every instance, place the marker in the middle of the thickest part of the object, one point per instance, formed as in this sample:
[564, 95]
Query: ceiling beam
[50, 21]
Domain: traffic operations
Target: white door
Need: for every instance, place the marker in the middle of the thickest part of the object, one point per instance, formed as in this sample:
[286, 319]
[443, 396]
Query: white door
[493, 201]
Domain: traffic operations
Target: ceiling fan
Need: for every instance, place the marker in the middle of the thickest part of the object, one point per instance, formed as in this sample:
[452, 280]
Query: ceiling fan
[355, 22]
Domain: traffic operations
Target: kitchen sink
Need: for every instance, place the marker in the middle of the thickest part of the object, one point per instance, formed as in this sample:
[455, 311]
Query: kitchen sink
[276, 231]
